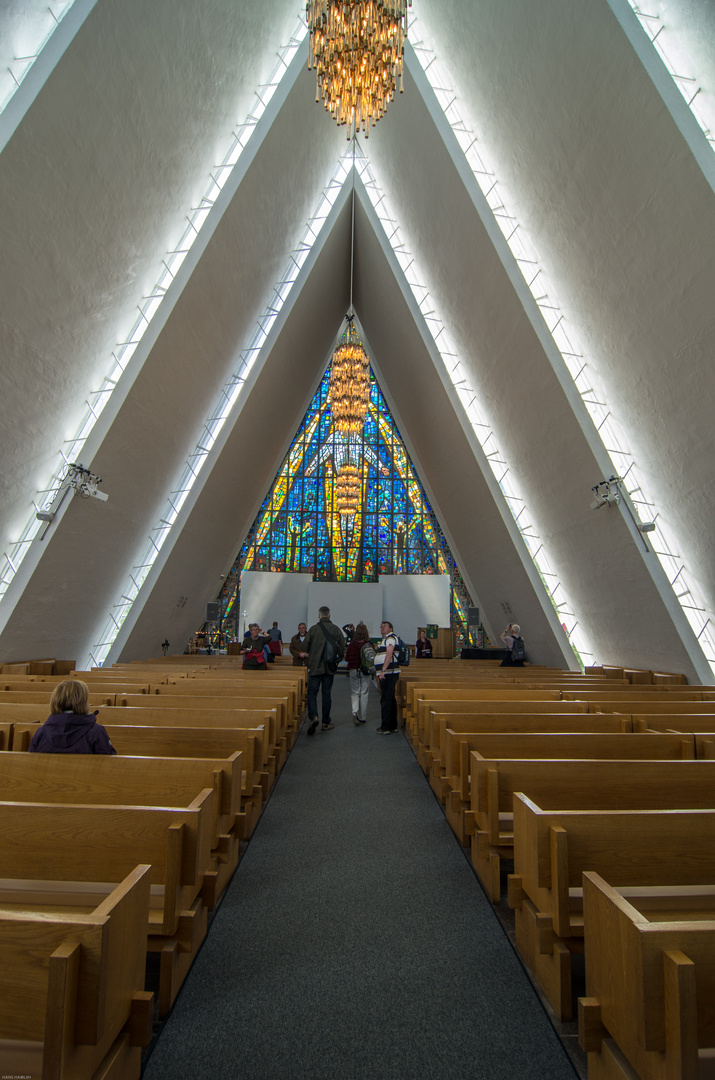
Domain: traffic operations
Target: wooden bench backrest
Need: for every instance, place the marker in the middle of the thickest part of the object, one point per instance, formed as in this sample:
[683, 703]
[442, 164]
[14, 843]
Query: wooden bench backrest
[505, 723]
[686, 722]
[638, 847]
[108, 951]
[458, 746]
[253, 719]
[433, 721]
[49, 842]
[625, 969]
[163, 741]
[128, 781]
[593, 785]
[221, 702]
[656, 706]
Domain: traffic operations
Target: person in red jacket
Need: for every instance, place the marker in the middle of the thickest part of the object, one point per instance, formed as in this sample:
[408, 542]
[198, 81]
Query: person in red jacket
[71, 728]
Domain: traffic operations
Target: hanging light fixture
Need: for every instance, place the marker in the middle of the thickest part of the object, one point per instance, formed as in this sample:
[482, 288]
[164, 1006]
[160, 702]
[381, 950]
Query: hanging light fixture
[347, 490]
[357, 49]
[350, 383]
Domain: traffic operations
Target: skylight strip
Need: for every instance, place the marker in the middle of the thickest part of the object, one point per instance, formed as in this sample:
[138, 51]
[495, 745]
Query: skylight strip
[665, 41]
[482, 429]
[230, 395]
[662, 541]
[122, 353]
[20, 67]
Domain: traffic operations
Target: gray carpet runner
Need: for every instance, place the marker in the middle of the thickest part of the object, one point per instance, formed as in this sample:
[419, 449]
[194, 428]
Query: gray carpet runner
[354, 941]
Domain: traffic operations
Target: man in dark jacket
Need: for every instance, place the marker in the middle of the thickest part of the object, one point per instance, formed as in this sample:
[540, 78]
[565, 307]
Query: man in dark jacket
[319, 675]
[71, 729]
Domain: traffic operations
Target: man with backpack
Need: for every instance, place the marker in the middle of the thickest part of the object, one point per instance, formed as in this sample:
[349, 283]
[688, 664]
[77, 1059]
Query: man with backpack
[325, 646]
[514, 644]
[387, 672]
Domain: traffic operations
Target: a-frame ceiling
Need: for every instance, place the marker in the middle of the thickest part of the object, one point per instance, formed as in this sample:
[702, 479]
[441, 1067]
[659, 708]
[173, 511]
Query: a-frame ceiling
[117, 147]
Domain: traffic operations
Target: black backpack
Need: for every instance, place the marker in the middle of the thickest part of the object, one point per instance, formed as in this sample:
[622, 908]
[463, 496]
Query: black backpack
[403, 653]
[518, 652]
[333, 653]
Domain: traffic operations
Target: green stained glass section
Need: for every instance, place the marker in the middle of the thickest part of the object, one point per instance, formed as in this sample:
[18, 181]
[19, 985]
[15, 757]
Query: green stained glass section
[393, 529]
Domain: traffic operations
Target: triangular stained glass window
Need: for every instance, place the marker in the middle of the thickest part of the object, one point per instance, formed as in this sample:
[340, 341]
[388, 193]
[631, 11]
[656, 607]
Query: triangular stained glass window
[300, 527]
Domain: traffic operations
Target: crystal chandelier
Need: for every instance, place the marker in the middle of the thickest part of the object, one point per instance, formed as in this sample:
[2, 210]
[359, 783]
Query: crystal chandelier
[357, 49]
[349, 400]
[349, 383]
[347, 490]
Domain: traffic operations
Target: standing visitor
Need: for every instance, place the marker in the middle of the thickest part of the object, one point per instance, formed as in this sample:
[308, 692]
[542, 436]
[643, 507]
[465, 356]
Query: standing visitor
[320, 675]
[423, 648]
[359, 681]
[297, 648]
[387, 672]
[514, 644]
[275, 640]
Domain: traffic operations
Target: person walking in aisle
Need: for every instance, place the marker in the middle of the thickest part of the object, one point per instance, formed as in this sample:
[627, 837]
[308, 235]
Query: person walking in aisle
[359, 682]
[387, 672]
[320, 677]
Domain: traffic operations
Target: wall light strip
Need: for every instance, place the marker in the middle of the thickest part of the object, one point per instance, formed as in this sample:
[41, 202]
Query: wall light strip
[148, 306]
[585, 377]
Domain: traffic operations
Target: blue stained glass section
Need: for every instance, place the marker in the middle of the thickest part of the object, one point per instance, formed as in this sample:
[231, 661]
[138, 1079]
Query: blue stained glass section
[392, 531]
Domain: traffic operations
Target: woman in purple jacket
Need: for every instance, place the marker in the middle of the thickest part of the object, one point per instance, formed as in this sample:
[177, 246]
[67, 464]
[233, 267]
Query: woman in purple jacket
[71, 729]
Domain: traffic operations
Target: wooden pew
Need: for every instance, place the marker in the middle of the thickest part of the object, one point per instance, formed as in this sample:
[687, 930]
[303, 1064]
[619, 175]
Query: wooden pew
[81, 779]
[71, 986]
[459, 744]
[259, 720]
[639, 847]
[432, 725]
[42, 844]
[421, 734]
[650, 981]
[146, 740]
[277, 704]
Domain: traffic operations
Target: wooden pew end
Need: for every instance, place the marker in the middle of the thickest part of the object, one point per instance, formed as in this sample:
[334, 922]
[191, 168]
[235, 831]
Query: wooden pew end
[591, 1031]
[515, 893]
[141, 1018]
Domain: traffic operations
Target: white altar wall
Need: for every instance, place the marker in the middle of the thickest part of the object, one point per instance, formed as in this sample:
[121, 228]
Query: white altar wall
[349, 602]
[407, 600]
[412, 600]
[280, 597]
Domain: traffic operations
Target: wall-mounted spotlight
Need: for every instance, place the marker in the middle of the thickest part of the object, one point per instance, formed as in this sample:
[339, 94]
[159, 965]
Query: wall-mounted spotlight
[646, 526]
[606, 493]
[83, 482]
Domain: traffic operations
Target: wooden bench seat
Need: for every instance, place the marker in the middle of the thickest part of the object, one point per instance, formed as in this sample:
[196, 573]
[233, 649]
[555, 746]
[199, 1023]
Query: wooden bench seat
[260, 720]
[137, 781]
[421, 732]
[146, 740]
[650, 983]
[435, 721]
[652, 846]
[458, 745]
[86, 847]
[72, 988]
[277, 703]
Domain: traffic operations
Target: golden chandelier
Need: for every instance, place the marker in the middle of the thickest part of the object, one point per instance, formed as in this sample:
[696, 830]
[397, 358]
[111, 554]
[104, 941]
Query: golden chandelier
[357, 49]
[347, 489]
[349, 384]
[349, 400]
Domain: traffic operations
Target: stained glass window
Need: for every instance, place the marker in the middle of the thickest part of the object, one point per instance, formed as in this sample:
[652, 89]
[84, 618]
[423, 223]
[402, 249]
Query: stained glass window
[393, 529]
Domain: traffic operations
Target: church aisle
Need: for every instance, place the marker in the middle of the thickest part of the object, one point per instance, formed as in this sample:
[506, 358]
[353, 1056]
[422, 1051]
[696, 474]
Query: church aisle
[354, 942]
